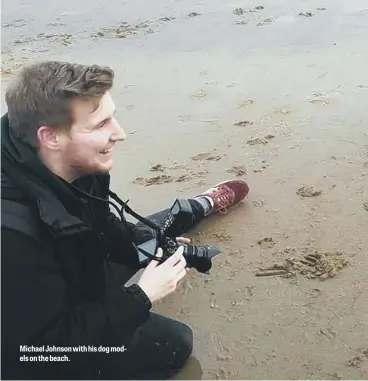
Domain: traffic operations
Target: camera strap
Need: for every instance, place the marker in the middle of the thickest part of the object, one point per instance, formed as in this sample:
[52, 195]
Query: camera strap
[130, 211]
[151, 224]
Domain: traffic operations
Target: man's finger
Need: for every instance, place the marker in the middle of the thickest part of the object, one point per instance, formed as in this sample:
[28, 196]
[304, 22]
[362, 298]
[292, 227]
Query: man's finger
[172, 261]
[181, 275]
[154, 262]
[180, 265]
[183, 240]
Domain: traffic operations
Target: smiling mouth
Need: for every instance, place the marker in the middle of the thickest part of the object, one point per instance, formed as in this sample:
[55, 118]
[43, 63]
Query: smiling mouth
[106, 151]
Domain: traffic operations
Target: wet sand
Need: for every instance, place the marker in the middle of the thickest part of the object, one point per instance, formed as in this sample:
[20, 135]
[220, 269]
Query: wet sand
[275, 94]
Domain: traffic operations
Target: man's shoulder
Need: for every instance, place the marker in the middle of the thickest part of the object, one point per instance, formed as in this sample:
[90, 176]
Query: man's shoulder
[21, 217]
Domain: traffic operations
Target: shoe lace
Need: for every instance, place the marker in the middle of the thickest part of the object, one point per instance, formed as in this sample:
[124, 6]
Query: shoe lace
[220, 198]
[223, 198]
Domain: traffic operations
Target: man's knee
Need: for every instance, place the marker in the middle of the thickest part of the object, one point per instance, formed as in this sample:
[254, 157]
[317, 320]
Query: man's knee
[159, 350]
[177, 337]
[182, 347]
[185, 340]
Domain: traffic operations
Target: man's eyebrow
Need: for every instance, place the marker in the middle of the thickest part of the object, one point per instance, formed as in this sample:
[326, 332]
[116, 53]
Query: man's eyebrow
[105, 119]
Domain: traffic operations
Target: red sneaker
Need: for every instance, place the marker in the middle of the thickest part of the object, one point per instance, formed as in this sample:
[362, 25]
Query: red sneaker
[226, 194]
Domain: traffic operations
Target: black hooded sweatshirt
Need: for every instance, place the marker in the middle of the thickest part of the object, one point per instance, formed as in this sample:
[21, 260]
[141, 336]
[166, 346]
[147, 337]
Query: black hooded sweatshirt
[61, 252]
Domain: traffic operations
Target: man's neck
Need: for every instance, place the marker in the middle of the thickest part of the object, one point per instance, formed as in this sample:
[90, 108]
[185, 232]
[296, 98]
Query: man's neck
[58, 168]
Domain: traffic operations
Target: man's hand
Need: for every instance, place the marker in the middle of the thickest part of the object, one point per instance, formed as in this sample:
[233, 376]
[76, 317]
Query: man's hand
[184, 241]
[160, 279]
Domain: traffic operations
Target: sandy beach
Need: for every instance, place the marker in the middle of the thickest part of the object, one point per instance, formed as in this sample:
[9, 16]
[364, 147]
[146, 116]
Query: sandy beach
[274, 93]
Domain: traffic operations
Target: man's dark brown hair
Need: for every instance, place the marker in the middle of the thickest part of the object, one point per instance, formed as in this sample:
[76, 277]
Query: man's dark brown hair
[41, 94]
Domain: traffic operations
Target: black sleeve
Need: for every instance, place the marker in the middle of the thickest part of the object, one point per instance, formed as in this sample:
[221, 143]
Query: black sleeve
[34, 312]
[119, 236]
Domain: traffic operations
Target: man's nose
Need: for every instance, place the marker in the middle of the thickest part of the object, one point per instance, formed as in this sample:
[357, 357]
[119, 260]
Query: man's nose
[119, 133]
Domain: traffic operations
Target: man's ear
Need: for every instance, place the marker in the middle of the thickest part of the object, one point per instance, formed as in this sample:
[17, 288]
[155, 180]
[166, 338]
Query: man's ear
[48, 138]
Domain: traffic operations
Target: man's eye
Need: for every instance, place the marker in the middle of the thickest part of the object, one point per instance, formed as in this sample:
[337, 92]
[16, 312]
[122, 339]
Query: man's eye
[102, 124]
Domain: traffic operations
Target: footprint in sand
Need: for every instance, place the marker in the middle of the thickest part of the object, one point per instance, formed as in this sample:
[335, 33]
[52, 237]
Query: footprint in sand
[267, 242]
[242, 11]
[206, 156]
[310, 191]
[282, 111]
[266, 21]
[246, 103]
[262, 141]
[243, 123]
[239, 11]
[237, 170]
[199, 95]
[157, 168]
[156, 180]
[306, 14]
[165, 19]
[320, 102]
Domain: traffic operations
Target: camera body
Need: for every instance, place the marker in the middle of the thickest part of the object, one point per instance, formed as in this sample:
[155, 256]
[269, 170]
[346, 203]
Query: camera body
[179, 218]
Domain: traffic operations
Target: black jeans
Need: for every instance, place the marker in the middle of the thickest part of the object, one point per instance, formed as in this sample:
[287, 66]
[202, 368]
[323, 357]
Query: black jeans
[159, 348]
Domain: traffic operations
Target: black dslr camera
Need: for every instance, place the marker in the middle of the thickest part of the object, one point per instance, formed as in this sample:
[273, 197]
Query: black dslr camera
[178, 219]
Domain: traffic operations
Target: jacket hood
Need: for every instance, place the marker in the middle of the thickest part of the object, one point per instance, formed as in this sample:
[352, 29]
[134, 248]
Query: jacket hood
[59, 204]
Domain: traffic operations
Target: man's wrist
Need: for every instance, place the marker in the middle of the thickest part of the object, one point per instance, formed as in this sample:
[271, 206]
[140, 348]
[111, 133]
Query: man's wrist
[139, 294]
